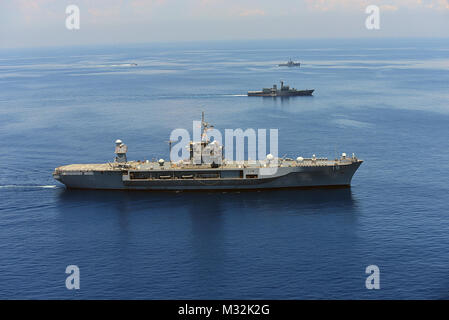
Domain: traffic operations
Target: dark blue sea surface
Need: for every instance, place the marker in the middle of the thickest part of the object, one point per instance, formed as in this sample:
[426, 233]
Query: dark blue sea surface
[385, 100]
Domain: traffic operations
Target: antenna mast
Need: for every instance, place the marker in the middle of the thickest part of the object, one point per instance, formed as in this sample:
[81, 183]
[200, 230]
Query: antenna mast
[203, 124]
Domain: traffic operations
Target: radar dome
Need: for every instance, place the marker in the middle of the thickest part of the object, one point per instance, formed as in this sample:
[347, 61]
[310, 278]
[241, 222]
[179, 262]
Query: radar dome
[118, 141]
[270, 157]
[300, 159]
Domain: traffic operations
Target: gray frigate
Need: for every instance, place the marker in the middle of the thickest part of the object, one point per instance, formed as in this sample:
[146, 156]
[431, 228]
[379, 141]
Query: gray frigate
[217, 173]
[283, 91]
[290, 63]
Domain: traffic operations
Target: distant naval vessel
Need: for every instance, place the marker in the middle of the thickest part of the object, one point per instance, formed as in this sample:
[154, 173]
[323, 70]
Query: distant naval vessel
[218, 174]
[290, 63]
[284, 91]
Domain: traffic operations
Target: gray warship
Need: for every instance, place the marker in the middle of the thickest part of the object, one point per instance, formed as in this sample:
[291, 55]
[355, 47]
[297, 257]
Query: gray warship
[284, 91]
[216, 174]
[290, 63]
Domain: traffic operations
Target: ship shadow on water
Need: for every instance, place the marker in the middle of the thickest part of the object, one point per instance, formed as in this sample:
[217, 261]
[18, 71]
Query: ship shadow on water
[287, 100]
[197, 238]
[203, 207]
[293, 200]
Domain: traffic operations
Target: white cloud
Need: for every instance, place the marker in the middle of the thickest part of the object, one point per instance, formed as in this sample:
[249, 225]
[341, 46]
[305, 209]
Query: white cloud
[252, 12]
[34, 22]
[387, 5]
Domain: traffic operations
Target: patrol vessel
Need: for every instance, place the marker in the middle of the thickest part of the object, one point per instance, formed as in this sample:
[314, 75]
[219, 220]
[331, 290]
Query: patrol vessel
[206, 169]
[284, 91]
[290, 63]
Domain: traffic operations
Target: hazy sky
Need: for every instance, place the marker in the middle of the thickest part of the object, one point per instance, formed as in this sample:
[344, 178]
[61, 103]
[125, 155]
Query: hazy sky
[28, 23]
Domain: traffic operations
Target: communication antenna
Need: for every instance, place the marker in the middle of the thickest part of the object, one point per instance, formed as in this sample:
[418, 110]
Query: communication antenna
[170, 145]
[204, 125]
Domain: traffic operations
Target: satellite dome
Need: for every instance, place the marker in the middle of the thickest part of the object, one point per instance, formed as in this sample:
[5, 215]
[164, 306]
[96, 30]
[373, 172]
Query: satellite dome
[300, 159]
[161, 161]
[118, 141]
[270, 157]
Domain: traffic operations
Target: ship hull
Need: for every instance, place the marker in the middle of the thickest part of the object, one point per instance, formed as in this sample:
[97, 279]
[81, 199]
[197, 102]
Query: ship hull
[289, 65]
[285, 177]
[280, 94]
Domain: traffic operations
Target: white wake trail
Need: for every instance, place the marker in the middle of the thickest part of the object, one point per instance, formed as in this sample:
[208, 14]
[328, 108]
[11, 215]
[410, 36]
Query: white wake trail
[11, 186]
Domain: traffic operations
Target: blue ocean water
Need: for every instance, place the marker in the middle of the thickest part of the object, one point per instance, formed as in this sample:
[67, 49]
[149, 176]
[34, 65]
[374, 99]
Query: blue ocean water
[385, 100]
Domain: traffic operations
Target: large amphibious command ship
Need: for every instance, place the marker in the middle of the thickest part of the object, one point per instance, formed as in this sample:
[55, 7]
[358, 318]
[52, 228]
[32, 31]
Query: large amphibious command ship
[284, 91]
[196, 173]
